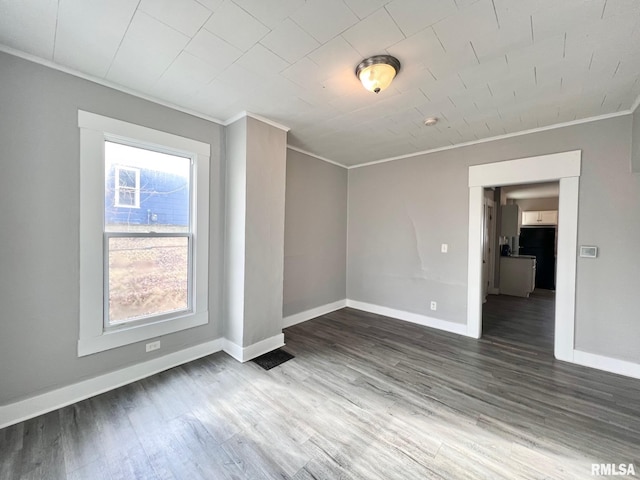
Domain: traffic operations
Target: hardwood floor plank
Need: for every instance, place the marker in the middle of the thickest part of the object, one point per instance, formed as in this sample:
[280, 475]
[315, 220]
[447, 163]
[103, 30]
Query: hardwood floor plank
[366, 397]
[42, 450]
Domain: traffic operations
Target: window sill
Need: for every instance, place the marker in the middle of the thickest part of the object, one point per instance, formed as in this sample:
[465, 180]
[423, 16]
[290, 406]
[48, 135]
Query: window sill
[127, 336]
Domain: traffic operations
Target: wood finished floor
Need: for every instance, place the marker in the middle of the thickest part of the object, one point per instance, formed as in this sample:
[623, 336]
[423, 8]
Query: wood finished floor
[366, 397]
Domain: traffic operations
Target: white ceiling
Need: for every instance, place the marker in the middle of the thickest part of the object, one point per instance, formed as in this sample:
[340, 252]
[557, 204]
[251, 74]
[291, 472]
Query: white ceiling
[534, 190]
[485, 67]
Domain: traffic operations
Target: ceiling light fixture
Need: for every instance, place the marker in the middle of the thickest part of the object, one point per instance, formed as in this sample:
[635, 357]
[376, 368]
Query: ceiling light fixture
[377, 72]
[431, 121]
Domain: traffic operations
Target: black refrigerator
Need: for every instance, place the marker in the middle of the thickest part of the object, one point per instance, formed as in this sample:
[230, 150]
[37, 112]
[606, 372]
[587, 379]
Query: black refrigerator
[541, 243]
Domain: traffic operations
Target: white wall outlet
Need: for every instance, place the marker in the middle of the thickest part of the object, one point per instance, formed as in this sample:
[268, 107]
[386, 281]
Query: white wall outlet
[444, 248]
[153, 346]
[434, 305]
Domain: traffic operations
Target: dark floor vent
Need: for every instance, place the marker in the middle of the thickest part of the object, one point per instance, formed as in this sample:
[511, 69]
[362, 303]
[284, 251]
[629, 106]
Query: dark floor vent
[273, 359]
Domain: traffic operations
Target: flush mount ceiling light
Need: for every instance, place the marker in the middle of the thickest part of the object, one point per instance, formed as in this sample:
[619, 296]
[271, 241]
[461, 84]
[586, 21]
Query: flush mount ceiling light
[376, 73]
[431, 121]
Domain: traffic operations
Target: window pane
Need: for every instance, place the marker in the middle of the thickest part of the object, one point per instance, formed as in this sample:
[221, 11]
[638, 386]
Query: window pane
[127, 178]
[145, 191]
[147, 276]
[127, 197]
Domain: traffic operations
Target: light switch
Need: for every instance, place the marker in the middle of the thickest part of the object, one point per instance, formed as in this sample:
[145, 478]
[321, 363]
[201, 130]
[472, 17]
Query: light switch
[588, 251]
[444, 248]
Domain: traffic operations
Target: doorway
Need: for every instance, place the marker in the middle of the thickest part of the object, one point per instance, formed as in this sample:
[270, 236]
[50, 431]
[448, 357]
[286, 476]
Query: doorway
[563, 167]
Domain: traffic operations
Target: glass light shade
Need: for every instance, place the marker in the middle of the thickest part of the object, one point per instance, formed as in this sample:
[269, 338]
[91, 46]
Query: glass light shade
[377, 72]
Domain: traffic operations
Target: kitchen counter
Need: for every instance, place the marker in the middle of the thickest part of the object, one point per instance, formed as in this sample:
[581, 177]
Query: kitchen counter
[517, 275]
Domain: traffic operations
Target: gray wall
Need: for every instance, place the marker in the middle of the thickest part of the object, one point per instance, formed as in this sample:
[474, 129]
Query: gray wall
[264, 255]
[315, 239]
[400, 212]
[256, 170]
[635, 158]
[39, 237]
[235, 221]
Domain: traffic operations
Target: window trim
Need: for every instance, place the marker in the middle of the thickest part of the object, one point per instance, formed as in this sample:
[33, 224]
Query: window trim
[117, 187]
[94, 131]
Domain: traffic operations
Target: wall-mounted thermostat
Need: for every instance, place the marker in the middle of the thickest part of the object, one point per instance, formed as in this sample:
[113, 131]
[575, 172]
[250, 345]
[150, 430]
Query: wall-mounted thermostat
[588, 251]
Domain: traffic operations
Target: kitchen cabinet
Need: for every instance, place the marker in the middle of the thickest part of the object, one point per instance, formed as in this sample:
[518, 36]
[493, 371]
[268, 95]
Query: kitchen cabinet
[510, 217]
[540, 217]
[517, 275]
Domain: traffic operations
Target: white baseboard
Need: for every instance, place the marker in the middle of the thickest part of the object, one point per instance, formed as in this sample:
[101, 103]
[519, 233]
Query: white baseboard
[608, 364]
[459, 328]
[61, 397]
[313, 313]
[244, 354]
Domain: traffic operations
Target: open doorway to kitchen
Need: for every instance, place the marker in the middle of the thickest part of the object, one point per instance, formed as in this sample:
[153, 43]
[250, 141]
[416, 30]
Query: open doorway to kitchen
[564, 168]
[520, 308]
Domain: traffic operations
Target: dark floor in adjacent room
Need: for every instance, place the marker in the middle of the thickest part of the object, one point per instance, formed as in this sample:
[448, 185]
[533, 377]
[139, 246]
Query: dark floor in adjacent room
[528, 322]
[366, 397]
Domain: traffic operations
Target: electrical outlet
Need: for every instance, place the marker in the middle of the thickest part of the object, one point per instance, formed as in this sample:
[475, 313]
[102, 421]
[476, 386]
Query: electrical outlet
[434, 305]
[153, 346]
[444, 248]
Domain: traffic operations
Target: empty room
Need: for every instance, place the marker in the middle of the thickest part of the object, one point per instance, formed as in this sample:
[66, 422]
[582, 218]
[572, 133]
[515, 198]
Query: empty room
[319, 239]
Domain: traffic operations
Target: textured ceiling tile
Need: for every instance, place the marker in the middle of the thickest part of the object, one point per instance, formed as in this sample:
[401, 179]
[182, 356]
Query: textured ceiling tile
[242, 80]
[29, 25]
[415, 15]
[386, 34]
[544, 52]
[186, 72]
[444, 89]
[233, 24]
[213, 50]
[565, 15]
[324, 19]
[211, 4]
[449, 65]
[215, 98]
[304, 73]
[364, 8]
[469, 24]
[148, 48]
[186, 16]
[273, 12]
[262, 61]
[486, 72]
[621, 8]
[418, 49]
[334, 56]
[412, 77]
[89, 33]
[289, 41]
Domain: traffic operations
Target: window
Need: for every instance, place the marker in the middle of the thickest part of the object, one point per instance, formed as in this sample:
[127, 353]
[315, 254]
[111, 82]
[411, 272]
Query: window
[141, 236]
[126, 187]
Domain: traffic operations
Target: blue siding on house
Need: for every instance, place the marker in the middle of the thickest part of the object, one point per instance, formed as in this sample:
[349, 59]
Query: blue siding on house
[164, 200]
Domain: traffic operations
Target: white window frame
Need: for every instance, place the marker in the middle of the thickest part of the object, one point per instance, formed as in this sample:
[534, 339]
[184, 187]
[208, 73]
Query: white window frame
[94, 131]
[136, 188]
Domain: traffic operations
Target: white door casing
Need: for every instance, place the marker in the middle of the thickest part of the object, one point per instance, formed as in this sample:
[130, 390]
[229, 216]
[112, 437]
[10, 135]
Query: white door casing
[564, 167]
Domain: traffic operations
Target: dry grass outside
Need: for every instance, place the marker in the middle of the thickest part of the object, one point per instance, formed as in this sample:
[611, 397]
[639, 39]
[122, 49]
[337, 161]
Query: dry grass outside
[147, 276]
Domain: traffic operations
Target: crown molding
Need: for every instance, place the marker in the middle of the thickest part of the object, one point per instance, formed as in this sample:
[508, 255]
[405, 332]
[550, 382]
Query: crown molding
[498, 137]
[304, 152]
[260, 118]
[105, 83]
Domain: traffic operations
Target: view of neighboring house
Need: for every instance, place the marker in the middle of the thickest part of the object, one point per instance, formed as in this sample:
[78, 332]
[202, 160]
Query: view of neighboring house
[141, 191]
